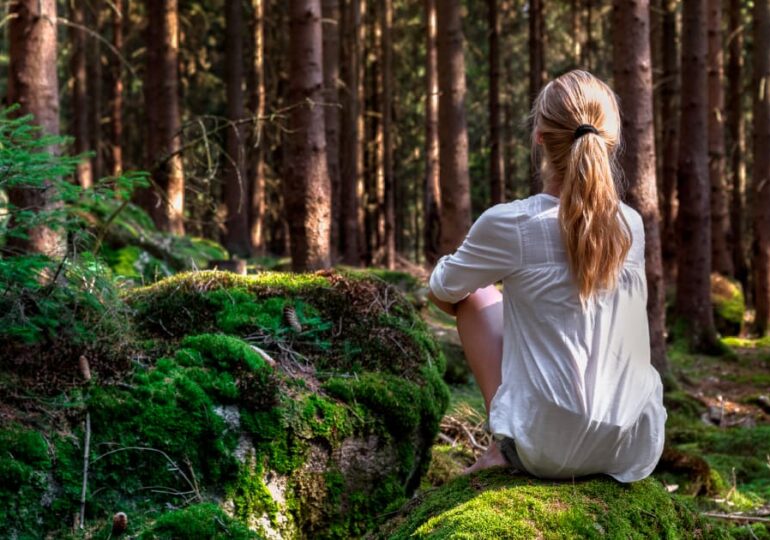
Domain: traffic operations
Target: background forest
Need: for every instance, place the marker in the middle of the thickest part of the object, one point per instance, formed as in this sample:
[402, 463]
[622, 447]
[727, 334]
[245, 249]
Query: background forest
[144, 142]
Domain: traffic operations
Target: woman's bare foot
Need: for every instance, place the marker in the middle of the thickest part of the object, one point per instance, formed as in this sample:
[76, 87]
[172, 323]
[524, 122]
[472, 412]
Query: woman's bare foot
[491, 458]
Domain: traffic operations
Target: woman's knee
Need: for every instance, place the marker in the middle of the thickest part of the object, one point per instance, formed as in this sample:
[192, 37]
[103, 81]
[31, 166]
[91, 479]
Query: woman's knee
[481, 299]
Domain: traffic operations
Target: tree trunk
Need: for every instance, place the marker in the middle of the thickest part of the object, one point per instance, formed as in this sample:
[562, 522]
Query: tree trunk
[589, 45]
[256, 156]
[432, 191]
[721, 259]
[633, 83]
[693, 290]
[389, 181]
[116, 101]
[575, 30]
[33, 83]
[348, 196]
[669, 111]
[307, 190]
[452, 129]
[80, 97]
[95, 85]
[235, 189]
[496, 175]
[536, 72]
[736, 130]
[331, 59]
[164, 200]
[761, 173]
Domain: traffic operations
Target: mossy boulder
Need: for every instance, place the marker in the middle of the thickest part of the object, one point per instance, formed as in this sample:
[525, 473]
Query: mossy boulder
[275, 405]
[499, 504]
[729, 304]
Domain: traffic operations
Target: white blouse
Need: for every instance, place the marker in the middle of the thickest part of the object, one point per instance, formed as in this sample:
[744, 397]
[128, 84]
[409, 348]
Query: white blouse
[578, 395]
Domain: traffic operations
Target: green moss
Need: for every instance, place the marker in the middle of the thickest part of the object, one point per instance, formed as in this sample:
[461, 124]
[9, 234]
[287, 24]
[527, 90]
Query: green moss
[250, 495]
[496, 504]
[745, 343]
[205, 521]
[729, 304]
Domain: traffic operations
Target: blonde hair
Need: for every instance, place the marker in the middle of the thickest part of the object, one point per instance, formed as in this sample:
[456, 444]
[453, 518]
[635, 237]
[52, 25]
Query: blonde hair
[596, 235]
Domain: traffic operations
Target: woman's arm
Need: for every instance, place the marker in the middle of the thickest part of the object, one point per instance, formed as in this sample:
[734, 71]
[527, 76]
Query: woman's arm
[446, 307]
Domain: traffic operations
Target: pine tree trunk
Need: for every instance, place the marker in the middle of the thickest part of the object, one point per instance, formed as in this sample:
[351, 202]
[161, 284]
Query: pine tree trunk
[257, 146]
[669, 111]
[496, 175]
[165, 199]
[235, 189]
[95, 86]
[116, 98]
[80, 97]
[452, 129]
[761, 172]
[736, 130]
[33, 83]
[536, 71]
[307, 191]
[721, 258]
[575, 30]
[349, 150]
[589, 45]
[693, 290]
[389, 181]
[633, 83]
[331, 59]
[432, 191]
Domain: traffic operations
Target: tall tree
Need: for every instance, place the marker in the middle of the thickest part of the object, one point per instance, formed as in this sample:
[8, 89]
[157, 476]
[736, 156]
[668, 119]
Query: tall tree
[80, 97]
[95, 21]
[432, 191]
[736, 130]
[256, 157]
[669, 112]
[693, 286]
[33, 83]
[761, 172]
[721, 257]
[235, 189]
[350, 147]
[389, 180]
[307, 191]
[116, 89]
[165, 199]
[633, 83]
[536, 69]
[331, 68]
[452, 128]
[496, 175]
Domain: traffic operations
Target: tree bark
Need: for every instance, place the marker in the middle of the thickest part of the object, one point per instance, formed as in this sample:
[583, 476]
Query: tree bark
[33, 83]
[536, 72]
[496, 175]
[669, 111]
[761, 173]
[736, 130]
[389, 181]
[721, 258]
[452, 128]
[165, 199]
[235, 189]
[633, 82]
[80, 97]
[350, 151]
[693, 290]
[307, 190]
[95, 22]
[116, 101]
[432, 191]
[331, 67]
[256, 157]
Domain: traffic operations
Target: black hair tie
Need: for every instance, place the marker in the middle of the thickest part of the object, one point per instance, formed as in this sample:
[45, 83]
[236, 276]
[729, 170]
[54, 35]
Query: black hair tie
[582, 129]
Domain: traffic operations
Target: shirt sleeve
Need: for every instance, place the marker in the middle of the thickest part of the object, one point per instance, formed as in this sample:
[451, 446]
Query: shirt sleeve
[490, 252]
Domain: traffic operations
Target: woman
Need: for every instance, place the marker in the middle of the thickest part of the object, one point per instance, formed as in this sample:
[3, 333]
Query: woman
[562, 357]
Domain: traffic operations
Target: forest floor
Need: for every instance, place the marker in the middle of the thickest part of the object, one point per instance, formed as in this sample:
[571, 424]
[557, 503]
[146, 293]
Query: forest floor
[717, 455]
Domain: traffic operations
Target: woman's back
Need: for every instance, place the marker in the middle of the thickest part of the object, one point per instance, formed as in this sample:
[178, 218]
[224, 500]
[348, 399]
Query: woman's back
[578, 393]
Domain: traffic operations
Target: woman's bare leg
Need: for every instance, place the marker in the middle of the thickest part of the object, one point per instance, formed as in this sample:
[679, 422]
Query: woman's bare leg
[480, 325]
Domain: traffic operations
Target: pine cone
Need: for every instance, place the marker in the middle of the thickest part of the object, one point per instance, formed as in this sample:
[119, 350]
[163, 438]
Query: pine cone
[119, 523]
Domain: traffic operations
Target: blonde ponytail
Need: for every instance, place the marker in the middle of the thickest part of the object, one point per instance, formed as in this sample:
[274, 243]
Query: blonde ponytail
[576, 118]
